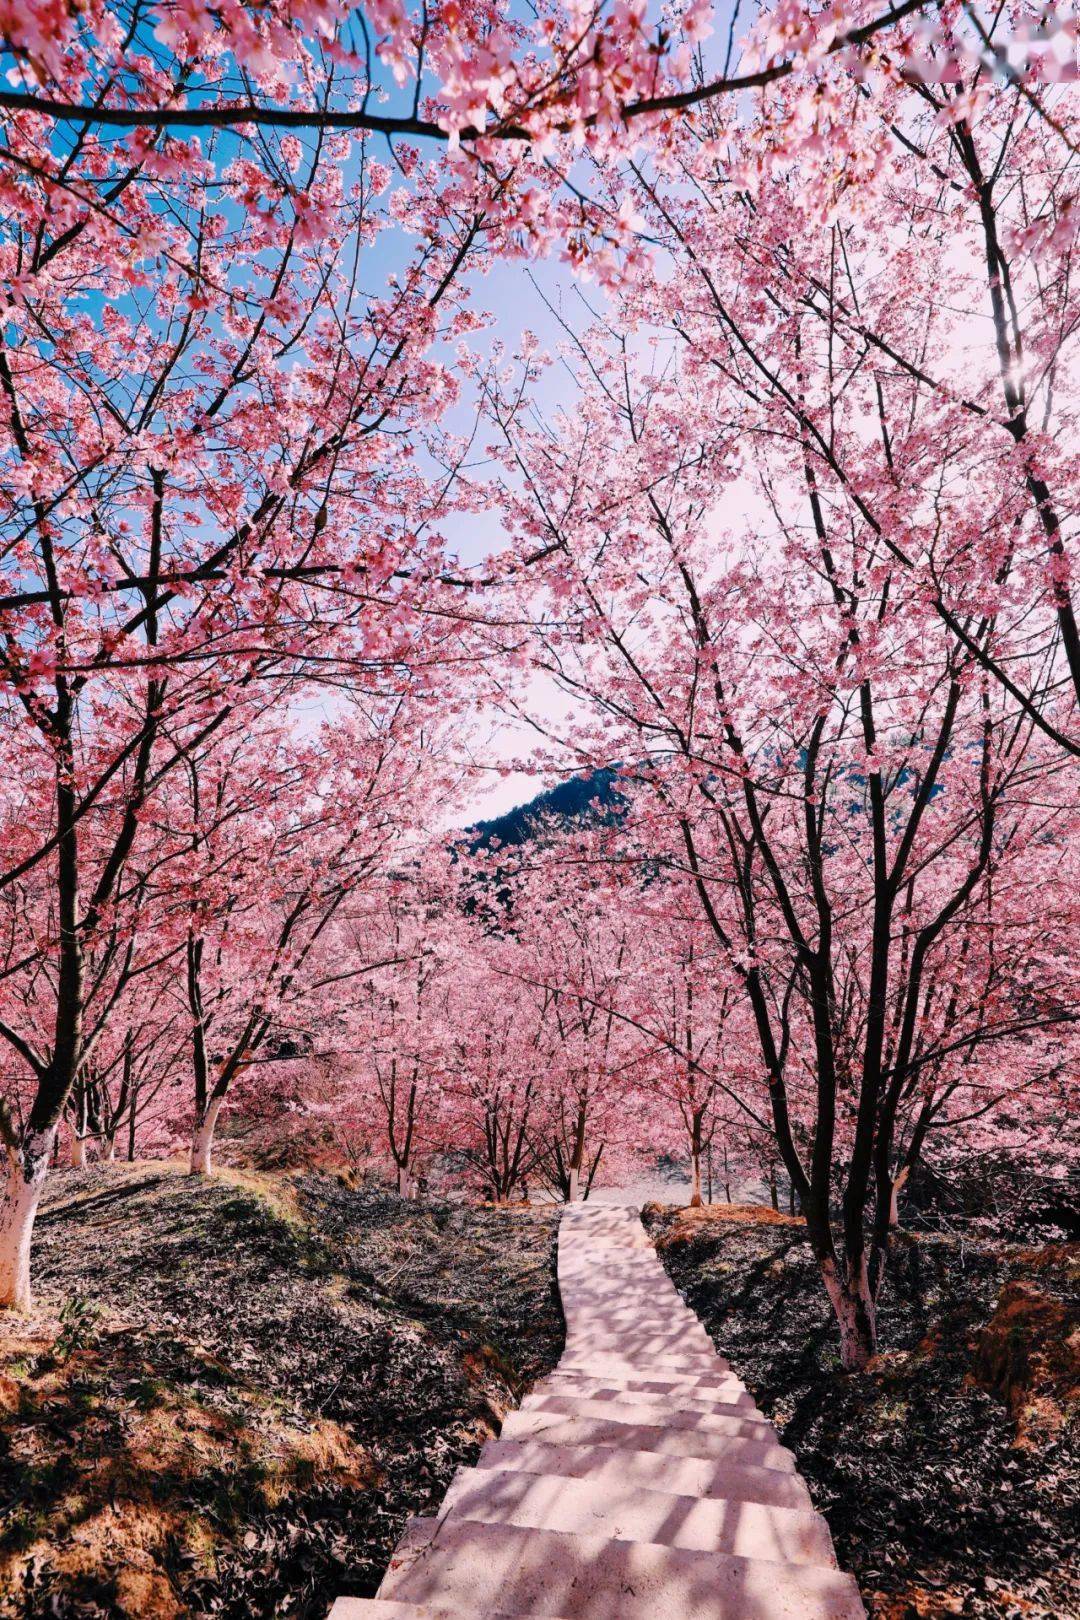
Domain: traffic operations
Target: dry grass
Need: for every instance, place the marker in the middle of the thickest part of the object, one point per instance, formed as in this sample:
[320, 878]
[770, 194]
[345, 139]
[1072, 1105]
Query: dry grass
[683, 1224]
[949, 1470]
[270, 1375]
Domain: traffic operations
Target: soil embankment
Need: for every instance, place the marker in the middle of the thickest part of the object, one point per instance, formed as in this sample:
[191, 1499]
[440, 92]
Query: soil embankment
[233, 1393]
[950, 1471]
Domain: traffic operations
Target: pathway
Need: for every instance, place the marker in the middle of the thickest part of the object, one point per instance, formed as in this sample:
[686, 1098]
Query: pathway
[638, 1482]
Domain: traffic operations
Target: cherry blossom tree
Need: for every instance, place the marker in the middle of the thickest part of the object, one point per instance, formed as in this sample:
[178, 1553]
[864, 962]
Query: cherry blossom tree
[212, 498]
[828, 768]
[398, 1033]
[496, 1063]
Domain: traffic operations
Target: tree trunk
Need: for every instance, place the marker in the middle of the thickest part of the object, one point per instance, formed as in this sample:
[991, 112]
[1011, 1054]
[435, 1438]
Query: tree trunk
[27, 1168]
[575, 1180]
[78, 1150]
[773, 1198]
[894, 1197]
[203, 1141]
[695, 1164]
[855, 1314]
[406, 1186]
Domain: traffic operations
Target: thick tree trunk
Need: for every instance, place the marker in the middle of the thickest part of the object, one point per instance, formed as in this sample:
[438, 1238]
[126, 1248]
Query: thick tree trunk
[78, 1151]
[855, 1314]
[406, 1185]
[575, 1182]
[27, 1167]
[773, 1197]
[202, 1143]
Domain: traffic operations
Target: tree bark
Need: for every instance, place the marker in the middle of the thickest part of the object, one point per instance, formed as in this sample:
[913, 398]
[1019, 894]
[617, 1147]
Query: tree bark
[78, 1150]
[695, 1163]
[203, 1141]
[855, 1314]
[27, 1168]
[406, 1185]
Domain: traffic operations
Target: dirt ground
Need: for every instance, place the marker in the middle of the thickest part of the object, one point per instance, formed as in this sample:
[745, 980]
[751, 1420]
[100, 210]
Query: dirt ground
[950, 1470]
[232, 1394]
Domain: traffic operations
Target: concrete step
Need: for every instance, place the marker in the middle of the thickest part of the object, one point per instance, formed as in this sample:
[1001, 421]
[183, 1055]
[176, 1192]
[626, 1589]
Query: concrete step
[672, 1318]
[660, 1382]
[642, 1348]
[603, 1363]
[493, 1567]
[349, 1608]
[692, 1397]
[651, 1470]
[652, 1301]
[581, 1268]
[657, 1310]
[627, 1244]
[629, 1513]
[740, 1425]
[650, 1314]
[557, 1430]
[665, 1319]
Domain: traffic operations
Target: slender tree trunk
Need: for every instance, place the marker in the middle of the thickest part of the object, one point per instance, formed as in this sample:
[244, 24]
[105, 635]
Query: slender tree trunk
[577, 1157]
[695, 1162]
[131, 1128]
[78, 1149]
[773, 1198]
[202, 1143]
[27, 1167]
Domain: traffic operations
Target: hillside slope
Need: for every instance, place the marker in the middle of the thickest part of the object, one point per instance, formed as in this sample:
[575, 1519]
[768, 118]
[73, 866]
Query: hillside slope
[234, 1393]
[949, 1471]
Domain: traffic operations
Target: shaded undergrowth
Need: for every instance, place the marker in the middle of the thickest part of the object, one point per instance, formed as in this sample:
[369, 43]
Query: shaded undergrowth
[233, 1393]
[950, 1470]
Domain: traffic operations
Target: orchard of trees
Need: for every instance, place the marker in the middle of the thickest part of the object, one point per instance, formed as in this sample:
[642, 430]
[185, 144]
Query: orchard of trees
[783, 505]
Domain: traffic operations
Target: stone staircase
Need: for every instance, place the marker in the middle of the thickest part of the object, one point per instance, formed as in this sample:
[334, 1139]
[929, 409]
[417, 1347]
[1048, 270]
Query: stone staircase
[638, 1482]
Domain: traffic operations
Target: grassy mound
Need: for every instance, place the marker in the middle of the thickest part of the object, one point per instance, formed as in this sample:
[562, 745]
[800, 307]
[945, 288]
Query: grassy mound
[233, 1393]
[950, 1470]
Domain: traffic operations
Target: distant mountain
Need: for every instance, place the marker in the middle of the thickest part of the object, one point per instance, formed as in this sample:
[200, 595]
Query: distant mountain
[592, 798]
